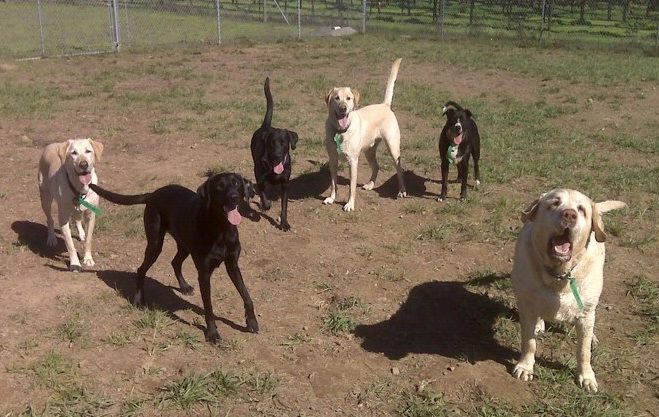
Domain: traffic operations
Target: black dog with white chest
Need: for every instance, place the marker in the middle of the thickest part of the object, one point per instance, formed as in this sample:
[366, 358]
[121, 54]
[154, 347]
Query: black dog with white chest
[203, 224]
[272, 160]
[458, 141]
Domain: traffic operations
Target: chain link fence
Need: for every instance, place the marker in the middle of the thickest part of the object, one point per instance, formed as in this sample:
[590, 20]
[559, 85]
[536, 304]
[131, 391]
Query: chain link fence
[31, 28]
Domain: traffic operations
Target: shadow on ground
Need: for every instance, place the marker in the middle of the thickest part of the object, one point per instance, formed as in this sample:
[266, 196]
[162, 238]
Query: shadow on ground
[161, 297]
[442, 318]
[33, 235]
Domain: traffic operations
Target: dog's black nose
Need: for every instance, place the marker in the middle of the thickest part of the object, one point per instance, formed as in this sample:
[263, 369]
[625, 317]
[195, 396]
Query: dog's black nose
[458, 128]
[84, 165]
[570, 217]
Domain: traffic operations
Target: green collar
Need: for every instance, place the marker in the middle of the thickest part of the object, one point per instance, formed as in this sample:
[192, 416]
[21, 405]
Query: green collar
[95, 209]
[338, 139]
[571, 281]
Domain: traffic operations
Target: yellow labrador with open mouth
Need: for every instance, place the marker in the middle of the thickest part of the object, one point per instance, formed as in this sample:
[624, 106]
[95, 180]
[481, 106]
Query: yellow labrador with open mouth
[558, 273]
[65, 171]
[351, 131]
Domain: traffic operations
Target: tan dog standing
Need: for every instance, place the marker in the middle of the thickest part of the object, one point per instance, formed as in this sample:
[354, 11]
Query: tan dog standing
[65, 171]
[350, 131]
[560, 247]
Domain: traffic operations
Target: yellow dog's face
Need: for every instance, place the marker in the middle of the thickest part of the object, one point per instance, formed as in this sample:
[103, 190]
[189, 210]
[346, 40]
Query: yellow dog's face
[341, 101]
[80, 156]
[563, 221]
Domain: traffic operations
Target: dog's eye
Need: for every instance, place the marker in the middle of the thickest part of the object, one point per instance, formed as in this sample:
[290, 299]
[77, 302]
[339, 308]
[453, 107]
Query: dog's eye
[74, 153]
[88, 151]
[555, 203]
[348, 98]
[336, 98]
[582, 209]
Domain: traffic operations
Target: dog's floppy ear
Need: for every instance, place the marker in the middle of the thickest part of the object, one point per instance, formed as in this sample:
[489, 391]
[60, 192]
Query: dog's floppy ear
[597, 225]
[248, 190]
[356, 94]
[292, 136]
[329, 95]
[450, 106]
[62, 148]
[468, 113]
[204, 192]
[528, 213]
[98, 148]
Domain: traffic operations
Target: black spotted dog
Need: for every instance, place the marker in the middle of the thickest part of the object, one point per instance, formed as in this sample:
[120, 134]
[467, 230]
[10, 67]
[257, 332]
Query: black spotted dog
[272, 160]
[458, 141]
[203, 224]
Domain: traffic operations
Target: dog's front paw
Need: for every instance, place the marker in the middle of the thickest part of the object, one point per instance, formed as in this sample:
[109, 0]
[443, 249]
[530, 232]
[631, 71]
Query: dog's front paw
[478, 184]
[88, 261]
[441, 198]
[212, 336]
[265, 205]
[349, 206]
[587, 381]
[252, 325]
[285, 226]
[523, 372]
[539, 327]
[368, 186]
[402, 194]
[51, 241]
[186, 289]
[75, 268]
[328, 200]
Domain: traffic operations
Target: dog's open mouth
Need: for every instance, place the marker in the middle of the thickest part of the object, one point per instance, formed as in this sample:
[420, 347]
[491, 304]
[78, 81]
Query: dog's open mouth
[560, 247]
[233, 216]
[457, 139]
[342, 119]
[85, 178]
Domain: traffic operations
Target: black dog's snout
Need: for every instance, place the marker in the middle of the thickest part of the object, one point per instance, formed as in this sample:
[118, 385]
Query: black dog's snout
[84, 165]
[458, 127]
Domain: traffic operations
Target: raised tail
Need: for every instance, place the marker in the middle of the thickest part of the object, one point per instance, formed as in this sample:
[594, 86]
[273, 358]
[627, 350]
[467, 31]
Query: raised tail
[609, 205]
[267, 120]
[389, 92]
[124, 200]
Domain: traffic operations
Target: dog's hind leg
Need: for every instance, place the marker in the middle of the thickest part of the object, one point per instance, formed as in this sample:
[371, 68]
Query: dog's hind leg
[47, 206]
[177, 263]
[394, 150]
[477, 175]
[373, 162]
[236, 277]
[155, 236]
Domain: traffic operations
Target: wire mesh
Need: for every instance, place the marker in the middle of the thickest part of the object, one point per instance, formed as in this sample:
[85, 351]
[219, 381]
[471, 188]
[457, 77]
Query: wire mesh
[65, 27]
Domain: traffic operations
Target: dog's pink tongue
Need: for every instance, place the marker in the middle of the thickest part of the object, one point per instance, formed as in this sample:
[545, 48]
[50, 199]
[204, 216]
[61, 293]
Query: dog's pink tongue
[343, 123]
[457, 139]
[563, 248]
[234, 217]
[85, 179]
[279, 168]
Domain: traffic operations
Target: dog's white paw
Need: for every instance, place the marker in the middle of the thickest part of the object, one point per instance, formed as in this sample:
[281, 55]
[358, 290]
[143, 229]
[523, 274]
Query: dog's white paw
[523, 373]
[478, 183]
[402, 194]
[328, 200]
[350, 206]
[88, 261]
[82, 236]
[51, 241]
[587, 381]
[368, 186]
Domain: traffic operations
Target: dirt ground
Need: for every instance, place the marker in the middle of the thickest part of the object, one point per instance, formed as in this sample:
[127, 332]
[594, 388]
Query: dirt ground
[420, 326]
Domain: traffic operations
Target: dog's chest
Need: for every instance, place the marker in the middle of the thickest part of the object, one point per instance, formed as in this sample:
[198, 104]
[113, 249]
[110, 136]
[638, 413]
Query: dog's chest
[560, 305]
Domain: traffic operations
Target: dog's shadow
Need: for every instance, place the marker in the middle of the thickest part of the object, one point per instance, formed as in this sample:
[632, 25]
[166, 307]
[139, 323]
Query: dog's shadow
[442, 318]
[33, 235]
[415, 186]
[160, 296]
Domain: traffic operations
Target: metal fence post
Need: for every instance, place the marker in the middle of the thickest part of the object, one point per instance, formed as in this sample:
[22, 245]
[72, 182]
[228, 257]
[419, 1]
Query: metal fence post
[41, 39]
[219, 32]
[115, 25]
[542, 19]
[364, 16]
[299, 19]
[441, 19]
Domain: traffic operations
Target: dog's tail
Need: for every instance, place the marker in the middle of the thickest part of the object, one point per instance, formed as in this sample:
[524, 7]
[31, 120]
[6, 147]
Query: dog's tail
[267, 120]
[389, 92]
[124, 200]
